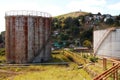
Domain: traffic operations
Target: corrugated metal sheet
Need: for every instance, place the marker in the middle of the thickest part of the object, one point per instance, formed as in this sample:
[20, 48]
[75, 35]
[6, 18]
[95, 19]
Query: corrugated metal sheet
[27, 38]
[110, 47]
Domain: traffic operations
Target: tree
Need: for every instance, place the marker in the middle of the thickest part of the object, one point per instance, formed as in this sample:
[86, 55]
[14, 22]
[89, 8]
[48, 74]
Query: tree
[76, 22]
[117, 21]
[63, 37]
[75, 30]
[86, 35]
[68, 22]
[118, 17]
[1, 41]
[87, 43]
[109, 21]
[82, 18]
[99, 13]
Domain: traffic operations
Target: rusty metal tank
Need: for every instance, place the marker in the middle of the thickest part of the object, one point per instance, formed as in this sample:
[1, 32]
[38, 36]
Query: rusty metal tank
[107, 42]
[27, 36]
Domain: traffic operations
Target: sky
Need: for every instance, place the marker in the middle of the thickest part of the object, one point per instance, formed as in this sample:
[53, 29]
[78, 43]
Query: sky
[57, 7]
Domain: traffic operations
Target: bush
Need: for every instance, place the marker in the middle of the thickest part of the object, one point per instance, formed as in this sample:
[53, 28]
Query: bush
[87, 43]
[109, 21]
[85, 56]
[70, 58]
[93, 59]
[2, 51]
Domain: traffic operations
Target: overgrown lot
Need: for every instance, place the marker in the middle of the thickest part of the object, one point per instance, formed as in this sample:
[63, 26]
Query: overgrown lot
[45, 72]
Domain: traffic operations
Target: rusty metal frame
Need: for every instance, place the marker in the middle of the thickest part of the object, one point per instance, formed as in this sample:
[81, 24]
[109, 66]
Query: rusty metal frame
[27, 13]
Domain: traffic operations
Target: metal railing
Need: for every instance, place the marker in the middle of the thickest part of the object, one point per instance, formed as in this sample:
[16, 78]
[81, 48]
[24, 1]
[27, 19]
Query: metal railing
[112, 71]
[27, 13]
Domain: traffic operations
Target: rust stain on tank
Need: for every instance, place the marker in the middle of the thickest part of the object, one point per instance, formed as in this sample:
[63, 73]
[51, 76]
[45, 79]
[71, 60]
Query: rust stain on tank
[7, 35]
[27, 36]
[13, 38]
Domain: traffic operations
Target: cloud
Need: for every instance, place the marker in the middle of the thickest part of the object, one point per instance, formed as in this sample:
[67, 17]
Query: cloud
[87, 5]
[115, 6]
[54, 10]
[14, 6]
[35, 6]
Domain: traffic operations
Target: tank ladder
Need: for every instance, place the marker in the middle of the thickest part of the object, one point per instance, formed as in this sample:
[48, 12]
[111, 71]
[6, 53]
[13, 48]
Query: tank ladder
[102, 39]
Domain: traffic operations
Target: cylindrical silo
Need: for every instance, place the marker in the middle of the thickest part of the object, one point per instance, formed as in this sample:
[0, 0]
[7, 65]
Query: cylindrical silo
[27, 36]
[107, 43]
[47, 33]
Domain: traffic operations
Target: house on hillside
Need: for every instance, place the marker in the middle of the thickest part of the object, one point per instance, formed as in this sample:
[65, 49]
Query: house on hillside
[88, 19]
[56, 32]
[2, 44]
[108, 16]
[97, 17]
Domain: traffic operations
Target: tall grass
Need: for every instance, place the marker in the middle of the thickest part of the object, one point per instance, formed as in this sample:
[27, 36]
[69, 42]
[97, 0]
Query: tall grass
[52, 72]
[2, 51]
[2, 55]
[75, 57]
[55, 73]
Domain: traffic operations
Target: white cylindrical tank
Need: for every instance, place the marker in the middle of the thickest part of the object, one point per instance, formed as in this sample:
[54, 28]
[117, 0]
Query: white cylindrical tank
[107, 43]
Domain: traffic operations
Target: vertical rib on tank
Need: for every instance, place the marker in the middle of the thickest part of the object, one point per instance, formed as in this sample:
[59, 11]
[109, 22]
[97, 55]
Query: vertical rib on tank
[27, 36]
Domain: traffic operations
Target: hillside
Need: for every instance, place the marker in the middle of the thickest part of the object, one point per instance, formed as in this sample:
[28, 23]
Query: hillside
[67, 29]
[76, 28]
[73, 14]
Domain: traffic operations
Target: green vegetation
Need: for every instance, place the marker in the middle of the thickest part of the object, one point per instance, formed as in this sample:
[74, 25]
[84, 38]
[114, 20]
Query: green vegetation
[91, 66]
[54, 73]
[79, 26]
[75, 57]
[73, 14]
[45, 72]
[57, 56]
[2, 55]
[87, 43]
[70, 28]
[2, 37]
[95, 69]
[93, 59]
[2, 51]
